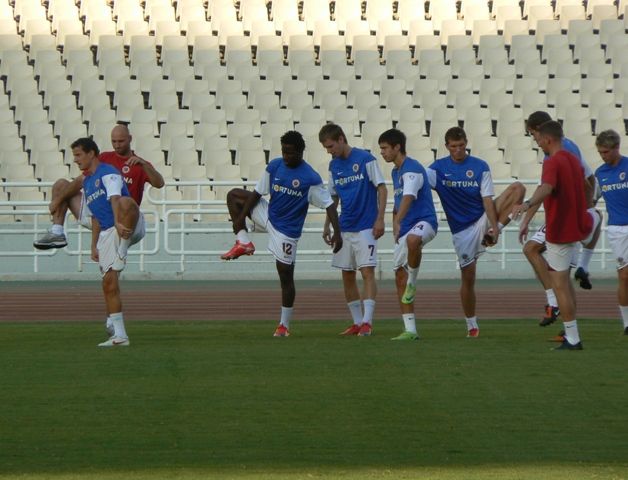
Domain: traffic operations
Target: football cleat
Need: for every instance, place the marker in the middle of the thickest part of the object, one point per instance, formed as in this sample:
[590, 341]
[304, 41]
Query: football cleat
[115, 342]
[568, 346]
[473, 333]
[238, 250]
[405, 336]
[583, 278]
[352, 330]
[365, 330]
[50, 240]
[551, 315]
[281, 331]
[560, 337]
[408, 294]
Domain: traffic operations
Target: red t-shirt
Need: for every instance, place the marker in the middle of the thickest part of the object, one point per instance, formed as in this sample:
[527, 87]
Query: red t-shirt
[566, 213]
[135, 177]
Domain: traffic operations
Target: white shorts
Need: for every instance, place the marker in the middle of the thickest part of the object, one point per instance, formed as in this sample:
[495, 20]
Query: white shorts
[559, 255]
[421, 229]
[283, 248]
[468, 242]
[85, 215]
[618, 240]
[359, 249]
[539, 235]
[109, 242]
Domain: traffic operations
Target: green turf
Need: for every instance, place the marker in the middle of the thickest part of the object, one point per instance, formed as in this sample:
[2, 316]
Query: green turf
[226, 400]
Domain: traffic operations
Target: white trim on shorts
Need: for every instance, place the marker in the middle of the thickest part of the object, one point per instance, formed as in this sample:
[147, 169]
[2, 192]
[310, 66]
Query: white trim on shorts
[109, 242]
[618, 240]
[468, 242]
[422, 229]
[283, 248]
[359, 250]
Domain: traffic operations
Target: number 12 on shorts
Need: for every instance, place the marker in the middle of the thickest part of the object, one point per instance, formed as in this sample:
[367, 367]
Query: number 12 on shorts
[287, 248]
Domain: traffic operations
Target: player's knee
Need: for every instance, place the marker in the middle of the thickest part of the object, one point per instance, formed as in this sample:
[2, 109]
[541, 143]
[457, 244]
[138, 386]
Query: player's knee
[59, 186]
[532, 249]
[414, 242]
[110, 284]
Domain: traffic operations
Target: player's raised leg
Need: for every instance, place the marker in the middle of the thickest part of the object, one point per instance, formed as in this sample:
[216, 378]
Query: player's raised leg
[581, 275]
[237, 198]
[65, 195]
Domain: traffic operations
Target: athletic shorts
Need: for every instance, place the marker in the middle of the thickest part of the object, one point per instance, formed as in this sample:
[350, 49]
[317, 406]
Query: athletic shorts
[283, 248]
[85, 215]
[618, 240]
[559, 255]
[359, 249]
[468, 242]
[109, 241]
[421, 229]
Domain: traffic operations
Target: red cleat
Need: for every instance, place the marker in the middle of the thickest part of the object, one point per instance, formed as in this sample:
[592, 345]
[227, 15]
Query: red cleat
[281, 331]
[238, 250]
[352, 330]
[365, 330]
[473, 333]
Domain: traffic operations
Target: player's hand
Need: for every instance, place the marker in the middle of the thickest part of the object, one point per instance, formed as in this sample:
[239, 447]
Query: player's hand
[135, 160]
[123, 231]
[53, 206]
[327, 236]
[378, 229]
[491, 237]
[336, 242]
[523, 233]
[396, 229]
[94, 254]
[518, 211]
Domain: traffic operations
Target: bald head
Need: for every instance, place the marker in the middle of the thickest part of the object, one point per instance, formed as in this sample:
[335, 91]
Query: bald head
[121, 140]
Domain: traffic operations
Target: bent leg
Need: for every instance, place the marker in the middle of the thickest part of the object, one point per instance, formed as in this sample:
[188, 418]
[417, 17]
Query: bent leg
[236, 198]
[513, 195]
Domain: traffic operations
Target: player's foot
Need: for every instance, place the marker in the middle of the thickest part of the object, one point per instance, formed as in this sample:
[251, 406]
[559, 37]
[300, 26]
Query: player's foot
[281, 331]
[408, 295]
[238, 250]
[559, 338]
[115, 342]
[50, 240]
[406, 336]
[473, 333]
[568, 346]
[352, 330]
[551, 315]
[365, 330]
[118, 264]
[583, 278]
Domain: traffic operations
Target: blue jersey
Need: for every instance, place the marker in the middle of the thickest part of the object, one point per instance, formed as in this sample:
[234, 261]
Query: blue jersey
[98, 188]
[354, 180]
[572, 148]
[461, 187]
[614, 185]
[411, 179]
[291, 191]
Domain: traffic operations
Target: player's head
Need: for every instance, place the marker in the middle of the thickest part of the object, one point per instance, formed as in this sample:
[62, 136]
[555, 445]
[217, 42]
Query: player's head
[549, 134]
[456, 143]
[535, 120]
[121, 140]
[85, 152]
[392, 144]
[607, 144]
[333, 139]
[292, 148]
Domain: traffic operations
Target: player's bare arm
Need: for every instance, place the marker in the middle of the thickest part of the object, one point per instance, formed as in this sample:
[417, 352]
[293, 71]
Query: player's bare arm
[536, 200]
[327, 236]
[491, 213]
[95, 235]
[154, 177]
[336, 239]
[525, 222]
[379, 225]
[404, 206]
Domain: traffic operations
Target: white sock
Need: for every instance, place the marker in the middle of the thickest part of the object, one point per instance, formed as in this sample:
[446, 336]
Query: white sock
[109, 322]
[56, 229]
[286, 315]
[369, 309]
[118, 325]
[571, 332]
[243, 237]
[500, 226]
[412, 274]
[123, 249]
[624, 314]
[409, 322]
[355, 308]
[551, 297]
[472, 322]
[585, 259]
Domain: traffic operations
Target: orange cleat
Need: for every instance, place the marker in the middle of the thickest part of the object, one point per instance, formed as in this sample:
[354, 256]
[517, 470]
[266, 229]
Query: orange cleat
[352, 330]
[281, 331]
[238, 250]
[473, 333]
[365, 330]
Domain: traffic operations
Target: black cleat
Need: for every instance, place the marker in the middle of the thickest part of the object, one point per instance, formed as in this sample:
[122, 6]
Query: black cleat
[583, 278]
[626, 331]
[568, 346]
[551, 315]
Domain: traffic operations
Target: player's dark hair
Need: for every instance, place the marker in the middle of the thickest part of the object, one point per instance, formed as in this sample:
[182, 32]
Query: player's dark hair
[455, 134]
[394, 137]
[536, 119]
[295, 139]
[331, 131]
[608, 139]
[86, 144]
[551, 129]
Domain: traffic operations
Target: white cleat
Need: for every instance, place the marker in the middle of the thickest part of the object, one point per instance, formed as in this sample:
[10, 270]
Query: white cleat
[115, 342]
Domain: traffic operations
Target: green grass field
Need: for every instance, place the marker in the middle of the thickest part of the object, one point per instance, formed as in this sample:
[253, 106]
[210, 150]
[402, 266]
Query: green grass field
[227, 400]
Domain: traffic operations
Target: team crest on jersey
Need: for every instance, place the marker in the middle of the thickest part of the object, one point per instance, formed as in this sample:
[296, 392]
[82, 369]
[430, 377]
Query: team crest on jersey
[469, 173]
[295, 183]
[355, 167]
[97, 183]
[126, 169]
[622, 176]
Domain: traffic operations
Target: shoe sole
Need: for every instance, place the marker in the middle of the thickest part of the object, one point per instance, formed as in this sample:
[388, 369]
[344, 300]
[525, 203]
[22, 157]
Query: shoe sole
[236, 257]
[546, 322]
[49, 246]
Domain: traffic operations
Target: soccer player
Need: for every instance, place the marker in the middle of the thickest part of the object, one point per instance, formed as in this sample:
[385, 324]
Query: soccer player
[535, 246]
[116, 225]
[67, 195]
[465, 187]
[414, 222]
[614, 186]
[292, 185]
[357, 183]
[568, 222]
